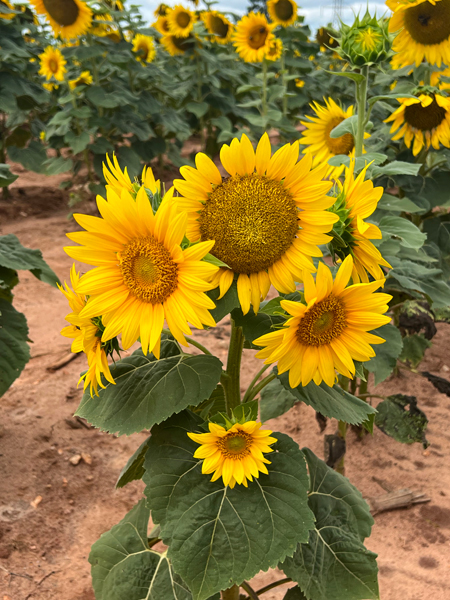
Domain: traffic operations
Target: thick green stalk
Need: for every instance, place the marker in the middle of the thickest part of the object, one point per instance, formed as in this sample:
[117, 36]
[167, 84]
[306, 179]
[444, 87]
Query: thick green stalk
[254, 382]
[200, 99]
[264, 88]
[231, 379]
[342, 430]
[361, 99]
[231, 594]
[283, 81]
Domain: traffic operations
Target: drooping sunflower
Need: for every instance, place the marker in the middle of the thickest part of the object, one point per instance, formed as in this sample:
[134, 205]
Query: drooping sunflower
[267, 217]
[181, 21]
[68, 18]
[176, 45]
[282, 12]
[330, 331]
[218, 26]
[52, 64]
[119, 180]
[424, 31]
[422, 121]
[252, 37]
[86, 334]
[276, 49]
[317, 138]
[144, 47]
[356, 201]
[236, 454]
[142, 275]
[162, 25]
[84, 79]
[4, 15]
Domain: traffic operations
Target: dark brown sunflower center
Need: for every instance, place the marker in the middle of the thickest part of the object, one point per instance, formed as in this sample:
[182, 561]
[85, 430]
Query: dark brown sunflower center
[324, 38]
[425, 118]
[340, 145]
[143, 50]
[253, 220]
[428, 23]
[183, 44]
[183, 19]
[162, 10]
[53, 65]
[284, 10]
[273, 50]
[322, 323]
[235, 445]
[148, 270]
[64, 12]
[219, 27]
[257, 37]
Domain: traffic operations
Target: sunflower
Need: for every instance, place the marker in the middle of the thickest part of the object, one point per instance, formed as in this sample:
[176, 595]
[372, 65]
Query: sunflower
[282, 12]
[276, 49]
[144, 46]
[317, 138]
[103, 25]
[181, 21]
[176, 45]
[425, 119]
[424, 31]
[6, 4]
[435, 79]
[299, 82]
[119, 180]
[84, 79]
[236, 454]
[161, 10]
[330, 331]
[142, 275]
[68, 18]
[162, 25]
[218, 26]
[267, 217]
[357, 200]
[52, 64]
[86, 335]
[252, 37]
[324, 37]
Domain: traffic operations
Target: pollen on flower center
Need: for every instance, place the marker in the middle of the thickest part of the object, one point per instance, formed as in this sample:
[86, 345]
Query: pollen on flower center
[148, 270]
[428, 23]
[425, 118]
[64, 12]
[235, 445]
[253, 220]
[340, 145]
[53, 65]
[257, 37]
[322, 323]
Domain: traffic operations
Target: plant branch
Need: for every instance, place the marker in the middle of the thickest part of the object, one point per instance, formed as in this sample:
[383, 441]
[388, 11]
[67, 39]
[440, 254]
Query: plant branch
[231, 378]
[250, 591]
[262, 384]
[275, 584]
[253, 382]
[361, 99]
[192, 342]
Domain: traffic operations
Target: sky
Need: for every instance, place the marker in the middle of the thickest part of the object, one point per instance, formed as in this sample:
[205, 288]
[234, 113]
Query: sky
[316, 12]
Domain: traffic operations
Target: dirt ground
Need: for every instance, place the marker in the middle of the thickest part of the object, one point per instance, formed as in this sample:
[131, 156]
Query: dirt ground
[52, 510]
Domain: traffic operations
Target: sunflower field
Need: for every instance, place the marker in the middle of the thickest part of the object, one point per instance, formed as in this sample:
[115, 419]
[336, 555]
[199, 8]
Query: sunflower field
[296, 183]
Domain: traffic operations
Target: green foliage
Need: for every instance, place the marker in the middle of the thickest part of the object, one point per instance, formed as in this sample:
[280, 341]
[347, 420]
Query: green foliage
[385, 360]
[404, 425]
[15, 256]
[14, 350]
[134, 469]
[414, 347]
[6, 177]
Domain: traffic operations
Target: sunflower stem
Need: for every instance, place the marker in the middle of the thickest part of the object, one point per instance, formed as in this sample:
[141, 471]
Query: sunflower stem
[264, 88]
[191, 341]
[250, 591]
[262, 384]
[231, 378]
[231, 594]
[361, 100]
[253, 382]
[283, 82]
[272, 585]
[342, 431]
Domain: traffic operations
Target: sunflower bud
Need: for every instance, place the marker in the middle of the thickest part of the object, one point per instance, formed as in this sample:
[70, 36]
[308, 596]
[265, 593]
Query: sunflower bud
[366, 42]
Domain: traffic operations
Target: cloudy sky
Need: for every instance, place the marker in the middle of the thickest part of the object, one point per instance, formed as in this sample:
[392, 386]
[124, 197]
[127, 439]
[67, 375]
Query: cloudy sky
[316, 12]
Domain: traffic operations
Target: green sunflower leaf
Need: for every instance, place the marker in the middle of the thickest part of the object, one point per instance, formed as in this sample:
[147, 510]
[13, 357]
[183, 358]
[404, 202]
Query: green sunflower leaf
[295, 593]
[14, 350]
[385, 360]
[15, 256]
[134, 469]
[148, 391]
[334, 562]
[397, 421]
[219, 536]
[226, 304]
[254, 326]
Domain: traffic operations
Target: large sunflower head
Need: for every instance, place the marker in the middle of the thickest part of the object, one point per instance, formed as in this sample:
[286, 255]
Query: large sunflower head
[422, 121]
[282, 12]
[6, 15]
[357, 199]
[236, 454]
[144, 47]
[119, 180]
[181, 21]
[329, 330]
[267, 216]
[252, 37]
[68, 18]
[176, 45]
[142, 276]
[52, 64]
[317, 140]
[220, 28]
[84, 79]
[86, 334]
[162, 25]
[276, 49]
[424, 31]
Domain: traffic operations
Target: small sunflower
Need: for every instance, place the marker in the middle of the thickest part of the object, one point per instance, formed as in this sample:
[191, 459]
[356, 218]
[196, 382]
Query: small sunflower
[86, 334]
[282, 12]
[162, 25]
[299, 83]
[422, 121]
[161, 10]
[144, 47]
[84, 79]
[181, 21]
[424, 31]
[436, 81]
[330, 331]
[236, 454]
[267, 217]
[103, 26]
[276, 49]
[176, 45]
[317, 138]
[119, 180]
[142, 276]
[68, 18]
[7, 16]
[324, 37]
[218, 26]
[252, 37]
[357, 200]
[52, 64]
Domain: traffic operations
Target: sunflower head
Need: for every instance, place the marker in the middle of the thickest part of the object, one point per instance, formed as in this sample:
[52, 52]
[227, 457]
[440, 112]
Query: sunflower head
[162, 25]
[253, 37]
[282, 12]
[176, 45]
[52, 64]
[181, 21]
[6, 10]
[236, 454]
[299, 83]
[276, 49]
[161, 10]
[220, 28]
[327, 38]
[119, 180]
[84, 79]
[68, 18]
[144, 47]
[366, 42]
